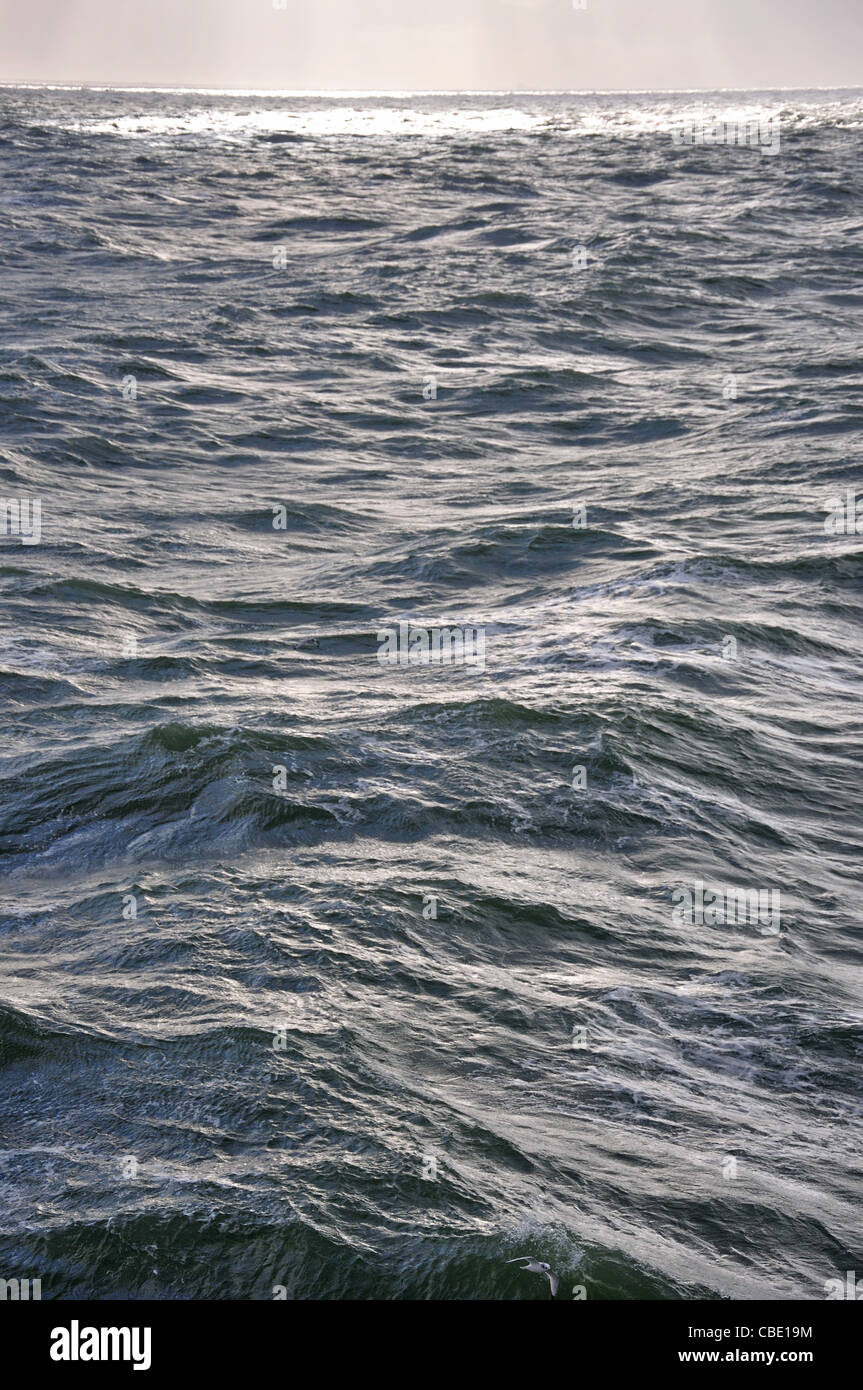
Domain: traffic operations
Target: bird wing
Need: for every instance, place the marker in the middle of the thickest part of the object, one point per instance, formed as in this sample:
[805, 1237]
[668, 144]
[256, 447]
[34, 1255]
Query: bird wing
[553, 1281]
[519, 1257]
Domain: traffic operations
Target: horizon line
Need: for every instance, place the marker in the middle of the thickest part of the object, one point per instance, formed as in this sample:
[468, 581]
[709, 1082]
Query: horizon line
[70, 86]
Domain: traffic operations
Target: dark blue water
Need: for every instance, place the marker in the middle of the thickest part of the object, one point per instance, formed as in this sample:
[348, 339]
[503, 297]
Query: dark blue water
[331, 974]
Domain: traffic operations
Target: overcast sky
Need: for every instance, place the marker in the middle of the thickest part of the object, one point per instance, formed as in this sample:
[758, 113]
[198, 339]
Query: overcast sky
[442, 44]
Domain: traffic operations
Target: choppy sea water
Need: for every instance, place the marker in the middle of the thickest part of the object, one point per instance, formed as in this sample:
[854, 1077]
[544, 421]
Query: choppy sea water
[358, 979]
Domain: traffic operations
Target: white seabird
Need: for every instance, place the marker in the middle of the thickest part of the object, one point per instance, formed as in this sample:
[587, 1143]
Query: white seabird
[538, 1267]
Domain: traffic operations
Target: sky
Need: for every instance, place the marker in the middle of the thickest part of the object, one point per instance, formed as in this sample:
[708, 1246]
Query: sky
[369, 45]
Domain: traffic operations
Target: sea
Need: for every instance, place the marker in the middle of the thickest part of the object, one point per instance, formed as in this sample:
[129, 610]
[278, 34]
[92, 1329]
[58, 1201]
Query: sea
[430, 675]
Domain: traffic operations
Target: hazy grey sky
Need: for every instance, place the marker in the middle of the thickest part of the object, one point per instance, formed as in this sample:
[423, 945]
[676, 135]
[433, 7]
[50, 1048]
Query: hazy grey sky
[374, 44]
